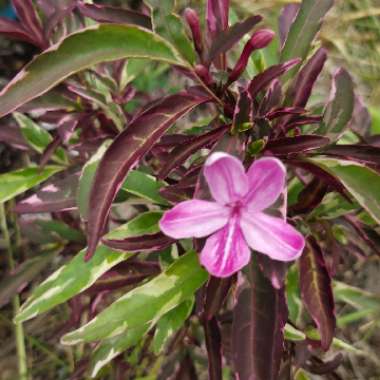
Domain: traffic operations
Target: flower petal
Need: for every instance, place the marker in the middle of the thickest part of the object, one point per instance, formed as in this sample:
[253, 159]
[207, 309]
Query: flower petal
[266, 178]
[194, 218]
[272, 236]
[226, 177]
[226, 251]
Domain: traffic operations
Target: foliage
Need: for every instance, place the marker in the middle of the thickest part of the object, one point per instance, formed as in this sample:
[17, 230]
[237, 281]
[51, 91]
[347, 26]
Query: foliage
[114, 118]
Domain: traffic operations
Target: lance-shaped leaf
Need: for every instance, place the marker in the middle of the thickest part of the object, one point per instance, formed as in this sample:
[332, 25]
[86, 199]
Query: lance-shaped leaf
[19, 181]
[304, 28]
[55, 196]
[144, 186]
[86, 179]
[170, 323]
[316, 291]
[217, 16]
[273, 270]
[129, 238]
[29, 19]
[214, 348]
[81, 50]
[146, 303]
[286, 19]
[37, 137]
[69, 280]
[264, 79]
[359, 152]
[361, 182]
[296, 144]
[182, 152]
[224, 41]
[117, 15]
[310, 197]
[215, 295]
[300, 90]
[258, 328]
[14, 282]
[110, 348]
[13, 29]
[339, 110]
[77, 276]
[125, 151]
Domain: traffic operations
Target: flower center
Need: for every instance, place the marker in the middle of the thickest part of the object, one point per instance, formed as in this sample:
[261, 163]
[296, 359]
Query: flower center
[235, 208]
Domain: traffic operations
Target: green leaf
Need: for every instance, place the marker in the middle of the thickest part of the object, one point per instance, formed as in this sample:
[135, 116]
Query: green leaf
[110, 348]
[175, 32]
[19, 181]
[144, 304]
[304, 29]
[78, 275]
[361, 182]
[356, 297]
[144, 186]
[69, 280]
[170, 323]
[293, 334]
[375, 115]
[38, 138]
[81, 50]
[62, 230]
[86, 179]
[339, 110]
[143, 224]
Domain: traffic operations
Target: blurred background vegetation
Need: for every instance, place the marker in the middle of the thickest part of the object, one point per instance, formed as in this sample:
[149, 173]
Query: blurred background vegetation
[351, 33]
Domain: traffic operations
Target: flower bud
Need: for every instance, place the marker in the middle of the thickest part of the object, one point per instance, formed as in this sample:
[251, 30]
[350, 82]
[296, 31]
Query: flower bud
[192, 20]
[259, 40]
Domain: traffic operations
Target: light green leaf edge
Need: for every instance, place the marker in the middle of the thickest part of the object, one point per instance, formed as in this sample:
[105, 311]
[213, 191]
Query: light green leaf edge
[144, 304]
[360, 181]
[17, 182]
[79, 51]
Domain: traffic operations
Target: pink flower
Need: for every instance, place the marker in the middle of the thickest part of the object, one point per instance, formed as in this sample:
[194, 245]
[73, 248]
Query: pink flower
[236, 219]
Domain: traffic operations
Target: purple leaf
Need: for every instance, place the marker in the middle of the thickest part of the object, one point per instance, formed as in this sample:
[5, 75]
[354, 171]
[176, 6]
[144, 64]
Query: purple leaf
[284, 111]
[258, 328]
[58, 195]
[117, 15]
[215, 295]
[273, 270]
[288, 15]
[227, 39]
[214, 349]
[316, 291]
[217, 16]
[361, 121]
[153, 242]
[300, 90]
[13, 29]
[361, 153]
[10, 134]
[321, 174]
[264, 79]
[271, 99]
[125, 152]
[192, 20]
[182, 152]
[259, 40]
[243, 111]
[310, 197]
[29, 19]
[296, 144]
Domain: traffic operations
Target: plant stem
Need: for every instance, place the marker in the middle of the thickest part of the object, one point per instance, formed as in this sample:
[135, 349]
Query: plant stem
[18, 328]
